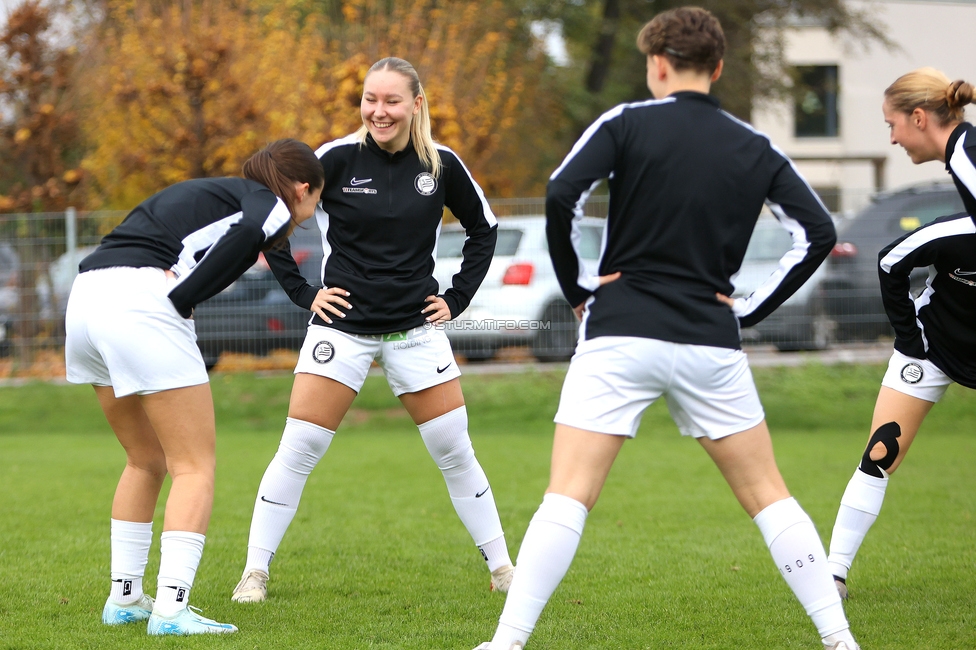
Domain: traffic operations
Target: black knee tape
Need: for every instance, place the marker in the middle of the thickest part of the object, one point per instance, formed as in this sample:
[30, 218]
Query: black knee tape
[887, 435]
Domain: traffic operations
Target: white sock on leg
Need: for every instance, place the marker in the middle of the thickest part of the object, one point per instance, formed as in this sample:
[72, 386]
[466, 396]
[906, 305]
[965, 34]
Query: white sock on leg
[798, 552]
[449, 444]
[547, 550]
[180, 553]
[130, 554]
[302, 446]
[859, 508]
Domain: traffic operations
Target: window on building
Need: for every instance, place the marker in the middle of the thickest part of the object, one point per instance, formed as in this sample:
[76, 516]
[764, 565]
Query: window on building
[830, 195]
[816, 105]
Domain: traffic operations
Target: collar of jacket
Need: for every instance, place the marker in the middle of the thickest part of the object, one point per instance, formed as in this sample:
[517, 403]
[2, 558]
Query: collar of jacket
[694, 94]
[957, 132]
[386, 155]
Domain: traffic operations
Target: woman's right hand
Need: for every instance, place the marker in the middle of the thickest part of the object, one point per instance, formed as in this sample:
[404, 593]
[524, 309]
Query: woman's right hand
[326, 301]
[603, 279]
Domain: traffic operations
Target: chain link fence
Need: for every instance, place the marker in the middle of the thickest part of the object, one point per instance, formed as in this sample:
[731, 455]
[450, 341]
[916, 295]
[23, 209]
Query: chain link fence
[518, 313]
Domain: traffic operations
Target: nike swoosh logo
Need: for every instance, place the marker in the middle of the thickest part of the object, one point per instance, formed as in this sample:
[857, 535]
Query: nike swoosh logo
[963, 280]
[440, 370]
[482, 493]
[274, 502]
[960, 272]
[359, 181]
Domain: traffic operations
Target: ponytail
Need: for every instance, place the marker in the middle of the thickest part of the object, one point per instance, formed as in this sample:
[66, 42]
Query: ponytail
[280, 165]
[958, 95]
[930, 90]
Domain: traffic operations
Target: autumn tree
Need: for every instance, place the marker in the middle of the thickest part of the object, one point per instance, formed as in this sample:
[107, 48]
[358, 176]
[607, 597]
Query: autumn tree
[39, 136]
[178, 91]
[491, 99]
[184, 90]
[608, 69]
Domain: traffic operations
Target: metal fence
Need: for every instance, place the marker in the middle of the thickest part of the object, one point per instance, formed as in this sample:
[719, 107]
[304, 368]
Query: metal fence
[517, 314]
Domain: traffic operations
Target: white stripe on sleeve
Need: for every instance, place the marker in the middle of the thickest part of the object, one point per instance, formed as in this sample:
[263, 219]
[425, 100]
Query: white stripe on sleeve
[962, 166]
[606, 117]
[489, 215]
[793, 257]
[924, 236]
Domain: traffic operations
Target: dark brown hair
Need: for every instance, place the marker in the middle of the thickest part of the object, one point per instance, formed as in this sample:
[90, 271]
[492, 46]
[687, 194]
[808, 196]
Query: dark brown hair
[689, 37]
[280, 165]
[930, 90]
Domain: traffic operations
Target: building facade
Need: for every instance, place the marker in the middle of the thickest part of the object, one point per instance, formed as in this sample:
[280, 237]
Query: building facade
[834, 129]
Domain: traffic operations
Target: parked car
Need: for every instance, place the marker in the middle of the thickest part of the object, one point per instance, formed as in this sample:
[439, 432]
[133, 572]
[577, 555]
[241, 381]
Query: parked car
[62, 273]
[519, 302]
[254, 315]
[800, 323]
[9, 293]
[849, 287]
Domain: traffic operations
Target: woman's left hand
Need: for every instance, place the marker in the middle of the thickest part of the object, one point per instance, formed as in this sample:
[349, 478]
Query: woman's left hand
[437, 310]
[725, 300]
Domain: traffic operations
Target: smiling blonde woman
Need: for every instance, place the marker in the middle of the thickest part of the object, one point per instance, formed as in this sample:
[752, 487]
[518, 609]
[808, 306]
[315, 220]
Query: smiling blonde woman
[385, 192]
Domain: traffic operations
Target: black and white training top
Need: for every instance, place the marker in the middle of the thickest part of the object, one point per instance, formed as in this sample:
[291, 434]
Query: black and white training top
[940, 324]
[687, 182]
[208, 231]
[961, 163]
[380, 221]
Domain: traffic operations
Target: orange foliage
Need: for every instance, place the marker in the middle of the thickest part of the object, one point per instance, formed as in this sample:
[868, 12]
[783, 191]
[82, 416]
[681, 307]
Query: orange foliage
[184, 90]
[39, 137]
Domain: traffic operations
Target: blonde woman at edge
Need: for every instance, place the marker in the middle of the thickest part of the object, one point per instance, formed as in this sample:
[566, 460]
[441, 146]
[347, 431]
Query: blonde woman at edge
[935, 334]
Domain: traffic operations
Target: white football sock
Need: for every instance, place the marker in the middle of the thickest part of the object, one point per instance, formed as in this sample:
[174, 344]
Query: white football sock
[859, 508]
[130, 554]
[798, 553]
[302, 446]
[180, 553]
[449, 444]
[547, 550]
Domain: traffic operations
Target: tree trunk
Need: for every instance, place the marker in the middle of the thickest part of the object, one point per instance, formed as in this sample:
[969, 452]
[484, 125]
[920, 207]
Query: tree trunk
[603, 48]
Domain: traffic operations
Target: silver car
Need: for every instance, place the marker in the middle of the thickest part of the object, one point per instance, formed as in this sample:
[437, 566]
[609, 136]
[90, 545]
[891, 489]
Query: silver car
[519, 302]
[800, 323]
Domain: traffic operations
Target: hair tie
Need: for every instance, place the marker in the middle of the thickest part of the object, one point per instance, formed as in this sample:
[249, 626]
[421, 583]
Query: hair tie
[677, 54]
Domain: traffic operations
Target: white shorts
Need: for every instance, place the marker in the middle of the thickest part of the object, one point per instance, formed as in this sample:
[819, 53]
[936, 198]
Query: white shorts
[612, 379]
[919, 378]
[411, 360]
[123, 331]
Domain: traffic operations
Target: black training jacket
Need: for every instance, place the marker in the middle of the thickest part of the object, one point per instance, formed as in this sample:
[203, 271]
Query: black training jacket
[208, 231]
[380, 220]
[687, 182]
[961, 163]
[940, 324]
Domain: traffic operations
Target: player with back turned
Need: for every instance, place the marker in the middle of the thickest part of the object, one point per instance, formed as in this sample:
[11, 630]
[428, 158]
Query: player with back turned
[687, 182]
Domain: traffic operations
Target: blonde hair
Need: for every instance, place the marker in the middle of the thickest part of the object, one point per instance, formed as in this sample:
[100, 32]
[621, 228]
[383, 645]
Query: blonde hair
[423, 141]
[930, 90]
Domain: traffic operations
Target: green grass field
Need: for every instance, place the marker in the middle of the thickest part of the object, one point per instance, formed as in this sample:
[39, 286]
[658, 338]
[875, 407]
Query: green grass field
[376, 557]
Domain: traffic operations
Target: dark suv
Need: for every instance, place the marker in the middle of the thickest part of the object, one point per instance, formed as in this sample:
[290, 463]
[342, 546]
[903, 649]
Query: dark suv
[254, 315]
[850, 289]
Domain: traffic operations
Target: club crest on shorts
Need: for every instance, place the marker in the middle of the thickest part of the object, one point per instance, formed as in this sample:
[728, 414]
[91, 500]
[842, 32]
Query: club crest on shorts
[425, 183]
[323, 352]
[911, 373]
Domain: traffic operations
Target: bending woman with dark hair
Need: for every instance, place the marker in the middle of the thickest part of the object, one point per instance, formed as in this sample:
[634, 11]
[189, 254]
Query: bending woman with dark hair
[130, 334]
[935, 333]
